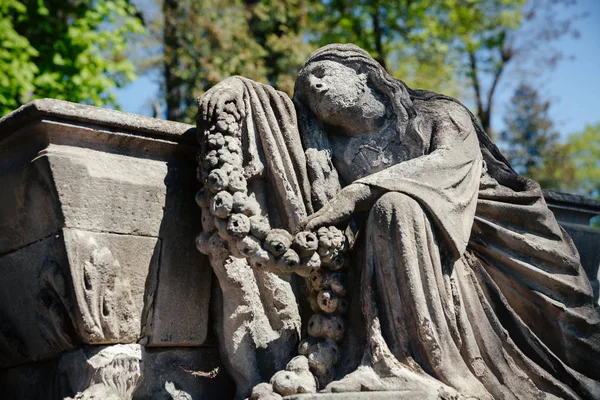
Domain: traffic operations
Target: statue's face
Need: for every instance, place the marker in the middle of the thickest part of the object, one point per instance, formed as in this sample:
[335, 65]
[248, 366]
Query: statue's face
[331, 89]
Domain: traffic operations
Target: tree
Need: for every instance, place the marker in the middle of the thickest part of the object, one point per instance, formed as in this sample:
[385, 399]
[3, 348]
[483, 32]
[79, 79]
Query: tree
[459, 47]
[436, 44]
[204, 42]
[584, 147]
[482, 33]
[533, 146]
[279, 26]
[403, 36]
[208, 41]
[66, 49]
[490, 35]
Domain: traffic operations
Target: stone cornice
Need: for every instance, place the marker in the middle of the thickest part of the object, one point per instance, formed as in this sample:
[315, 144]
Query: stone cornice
[80, 114]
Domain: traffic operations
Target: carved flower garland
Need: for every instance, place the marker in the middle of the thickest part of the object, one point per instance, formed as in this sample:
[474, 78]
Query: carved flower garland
[236, 217]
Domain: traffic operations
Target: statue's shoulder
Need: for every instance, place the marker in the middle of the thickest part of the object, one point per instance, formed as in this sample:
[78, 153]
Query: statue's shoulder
[442, 110]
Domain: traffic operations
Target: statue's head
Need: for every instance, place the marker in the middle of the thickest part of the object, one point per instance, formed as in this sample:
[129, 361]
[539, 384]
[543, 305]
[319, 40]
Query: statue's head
[336, 78]
[331, 89]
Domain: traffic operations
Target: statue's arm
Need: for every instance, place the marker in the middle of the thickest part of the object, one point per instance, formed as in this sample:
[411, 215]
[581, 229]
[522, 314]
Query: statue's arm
[322, 175]
[352, 198]
[453, 155]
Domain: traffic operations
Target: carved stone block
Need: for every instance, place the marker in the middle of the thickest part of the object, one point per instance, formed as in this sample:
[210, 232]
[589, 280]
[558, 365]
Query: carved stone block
[29, 207]
[109, 274]
[112, 372]
[36, 307]
[197, 372]
[108, 192]
[98, 220]
[76, 286]
[181, 304]
[128, 371]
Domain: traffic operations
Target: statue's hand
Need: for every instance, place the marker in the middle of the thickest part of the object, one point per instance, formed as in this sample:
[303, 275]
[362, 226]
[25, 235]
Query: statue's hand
[213, 102]
[339, 210]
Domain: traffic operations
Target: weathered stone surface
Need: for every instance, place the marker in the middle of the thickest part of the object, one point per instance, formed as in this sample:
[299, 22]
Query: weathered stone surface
[198, 372]
[108, 192]
[36, 303]
[109, 274]
[29, 208]
[574, 214]
[181, 305]
[32, 381]
[570, 208]
[130, 371]
[64, 111]
[587, 240]
[390, 395]
[76, 286]
[112, 372]
[467, 286]
[79, 167]
[39, 143]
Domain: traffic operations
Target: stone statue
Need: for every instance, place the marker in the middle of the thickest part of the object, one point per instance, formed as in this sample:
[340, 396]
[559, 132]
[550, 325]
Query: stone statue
[430, 266]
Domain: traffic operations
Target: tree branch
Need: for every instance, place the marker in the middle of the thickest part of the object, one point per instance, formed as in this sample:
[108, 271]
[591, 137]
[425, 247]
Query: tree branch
[475, 79]
[378, 35]
[490, 96]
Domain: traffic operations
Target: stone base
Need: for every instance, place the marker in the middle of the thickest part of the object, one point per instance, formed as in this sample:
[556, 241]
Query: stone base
[121, 371]
[395, 395]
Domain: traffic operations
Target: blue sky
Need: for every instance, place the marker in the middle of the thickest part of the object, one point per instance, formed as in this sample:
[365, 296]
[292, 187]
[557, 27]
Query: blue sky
[573, 86]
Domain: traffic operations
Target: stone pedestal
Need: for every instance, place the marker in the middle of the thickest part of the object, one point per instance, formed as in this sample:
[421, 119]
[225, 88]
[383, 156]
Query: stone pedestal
[98, 221]
[102, 291]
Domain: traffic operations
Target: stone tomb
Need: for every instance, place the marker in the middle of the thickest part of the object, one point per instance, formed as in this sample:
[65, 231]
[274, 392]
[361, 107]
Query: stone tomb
[98, 217]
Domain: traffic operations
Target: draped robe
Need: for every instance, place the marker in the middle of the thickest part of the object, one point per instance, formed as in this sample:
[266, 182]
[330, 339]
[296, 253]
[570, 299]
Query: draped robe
[256, 314]
[472, 279]
[466, 277]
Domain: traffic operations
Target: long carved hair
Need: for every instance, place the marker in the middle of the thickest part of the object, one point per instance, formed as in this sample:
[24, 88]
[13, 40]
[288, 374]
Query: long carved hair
[401, 98]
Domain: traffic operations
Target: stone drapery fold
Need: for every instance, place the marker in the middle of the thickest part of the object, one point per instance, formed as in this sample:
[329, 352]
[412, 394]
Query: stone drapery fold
[509, 314]
[257, 316]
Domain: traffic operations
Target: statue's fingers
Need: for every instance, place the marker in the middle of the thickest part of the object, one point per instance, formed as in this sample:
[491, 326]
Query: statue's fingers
[316, 215]
[235, 111]
[310, 225]
[208, 103]
[302, 224]
[318, 221]
[211, 97]
[240, 106]
[212, 104]
[220, 103]
[204, 106]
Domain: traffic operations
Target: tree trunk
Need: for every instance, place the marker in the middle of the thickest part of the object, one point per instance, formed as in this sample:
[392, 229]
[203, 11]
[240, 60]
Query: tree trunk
[173, 87]
[378, 36]
[483, 110]
[485, 120]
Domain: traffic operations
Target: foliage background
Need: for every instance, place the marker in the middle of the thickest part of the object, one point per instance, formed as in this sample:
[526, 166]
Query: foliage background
[82, 50]
[71, 50]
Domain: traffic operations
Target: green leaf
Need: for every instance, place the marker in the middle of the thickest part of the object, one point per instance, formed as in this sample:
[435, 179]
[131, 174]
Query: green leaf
[72, 49]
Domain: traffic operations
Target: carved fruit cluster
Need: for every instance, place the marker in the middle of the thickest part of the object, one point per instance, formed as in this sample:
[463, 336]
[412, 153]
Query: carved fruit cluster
[327, 299]
[236, 217]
